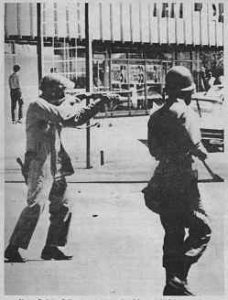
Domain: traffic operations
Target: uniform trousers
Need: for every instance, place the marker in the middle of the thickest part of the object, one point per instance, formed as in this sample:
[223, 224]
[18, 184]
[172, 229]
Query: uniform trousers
[186, 238]
[41, 187]
[186, 224]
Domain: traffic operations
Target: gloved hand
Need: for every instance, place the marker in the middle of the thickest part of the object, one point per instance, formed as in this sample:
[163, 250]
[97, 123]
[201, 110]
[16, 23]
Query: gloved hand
[201, 155]
[110, 99]
[198, 151]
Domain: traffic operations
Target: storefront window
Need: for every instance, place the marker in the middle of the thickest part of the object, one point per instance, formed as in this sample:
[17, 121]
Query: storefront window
[98, 74]
[153, 73]
[221, 12]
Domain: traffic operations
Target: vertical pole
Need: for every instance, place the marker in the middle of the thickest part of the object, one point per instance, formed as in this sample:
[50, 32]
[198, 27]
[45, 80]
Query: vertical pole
[13, 52]
[128, 83]
[191, 59]
[145, 83]
[208, 24]
[106, 70]
[102, 157]
[158, 20]
[193, 27]
[149, 21]
[215, 22]
[200, 25]
[110, 68]
[89, 73]
[39, 41]
[198, 67]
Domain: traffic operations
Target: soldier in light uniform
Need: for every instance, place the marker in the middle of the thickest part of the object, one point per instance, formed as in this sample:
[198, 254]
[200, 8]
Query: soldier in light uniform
[46, 165]
[174, 140]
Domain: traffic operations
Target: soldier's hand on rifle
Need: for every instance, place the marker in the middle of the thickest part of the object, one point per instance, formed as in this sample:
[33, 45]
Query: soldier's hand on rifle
[201, 155]
[198, 153]
[110, 99]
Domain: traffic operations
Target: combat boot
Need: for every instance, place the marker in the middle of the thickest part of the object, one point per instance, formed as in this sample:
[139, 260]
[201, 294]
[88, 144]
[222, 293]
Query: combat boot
[176, 287]
[12, 255]
[49, 253]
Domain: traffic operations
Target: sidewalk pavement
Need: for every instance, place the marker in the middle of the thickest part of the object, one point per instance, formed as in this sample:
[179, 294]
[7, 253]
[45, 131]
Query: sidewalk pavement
[117, 247]
[116, 241]
[126, 157]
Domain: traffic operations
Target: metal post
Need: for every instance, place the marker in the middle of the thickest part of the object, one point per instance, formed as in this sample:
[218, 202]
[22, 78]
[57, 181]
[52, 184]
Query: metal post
[39, 41]
[128, 82]
[89, 74]
[110, 68]
[145, 82]
[106, 70]
[102, 157]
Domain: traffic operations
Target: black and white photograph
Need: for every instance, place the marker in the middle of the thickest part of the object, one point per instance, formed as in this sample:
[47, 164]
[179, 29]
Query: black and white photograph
[114, 160]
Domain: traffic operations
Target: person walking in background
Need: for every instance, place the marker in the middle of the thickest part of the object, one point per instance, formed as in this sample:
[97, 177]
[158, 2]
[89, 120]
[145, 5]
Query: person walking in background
[210, 80]
[47, 164]
[174, 140]
[202, 79]
[15, 94]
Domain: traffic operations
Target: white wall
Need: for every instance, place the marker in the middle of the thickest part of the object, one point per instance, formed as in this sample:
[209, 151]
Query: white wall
[122, 20]
[26, 57]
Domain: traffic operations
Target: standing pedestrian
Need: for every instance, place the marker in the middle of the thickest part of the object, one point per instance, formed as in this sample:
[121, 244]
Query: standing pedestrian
[46, 165]
[210, 80]
[174, 140]
[202, 80]
[15, 94]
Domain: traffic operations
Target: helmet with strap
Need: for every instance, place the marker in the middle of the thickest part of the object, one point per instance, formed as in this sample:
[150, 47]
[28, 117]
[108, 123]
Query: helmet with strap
[179, 79]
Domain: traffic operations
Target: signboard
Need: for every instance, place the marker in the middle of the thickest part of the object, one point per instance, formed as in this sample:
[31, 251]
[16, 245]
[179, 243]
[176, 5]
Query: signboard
[136, 74]
[154, 73]
[119, 73]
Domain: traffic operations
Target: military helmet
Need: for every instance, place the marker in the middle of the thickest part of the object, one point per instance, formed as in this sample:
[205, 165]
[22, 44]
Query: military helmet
[179, 79]
[55, 81]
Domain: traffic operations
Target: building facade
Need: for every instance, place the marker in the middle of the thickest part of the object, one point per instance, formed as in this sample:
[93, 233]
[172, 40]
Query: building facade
[134, 42]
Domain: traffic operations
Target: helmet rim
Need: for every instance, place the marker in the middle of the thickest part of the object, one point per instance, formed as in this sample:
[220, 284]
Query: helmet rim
[56, 80]
[179, 79]
[189, 88]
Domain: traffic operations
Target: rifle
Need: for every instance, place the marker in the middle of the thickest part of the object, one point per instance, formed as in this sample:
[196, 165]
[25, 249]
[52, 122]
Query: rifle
[215, 177]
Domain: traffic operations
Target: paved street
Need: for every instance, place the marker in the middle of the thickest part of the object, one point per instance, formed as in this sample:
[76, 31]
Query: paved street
[115, 240]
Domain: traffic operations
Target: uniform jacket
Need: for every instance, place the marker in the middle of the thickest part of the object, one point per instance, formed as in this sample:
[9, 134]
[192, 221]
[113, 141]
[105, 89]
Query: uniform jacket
[174, 133]
[44, 123]
[174, 139]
